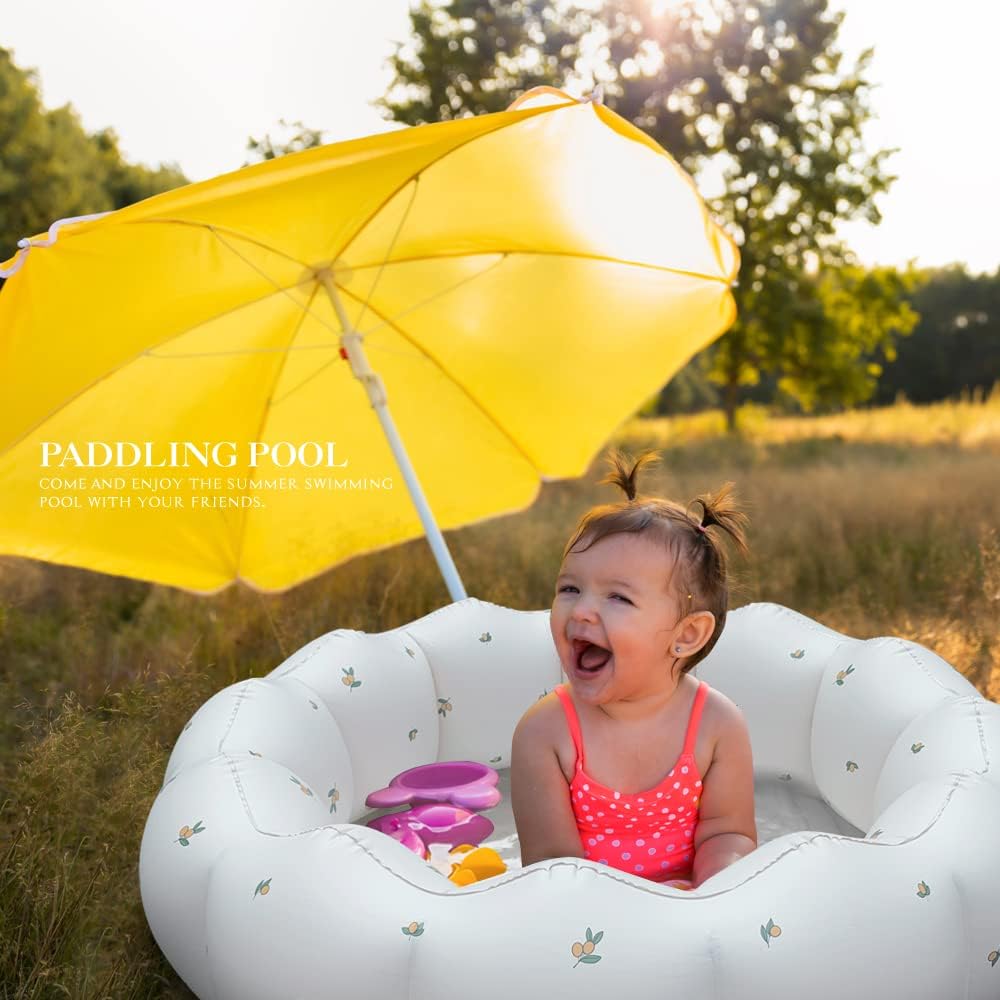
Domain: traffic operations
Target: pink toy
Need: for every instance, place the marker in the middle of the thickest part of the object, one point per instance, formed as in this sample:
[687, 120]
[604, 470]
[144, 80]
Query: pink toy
[434, 824]
[463, 783]
[444, 795]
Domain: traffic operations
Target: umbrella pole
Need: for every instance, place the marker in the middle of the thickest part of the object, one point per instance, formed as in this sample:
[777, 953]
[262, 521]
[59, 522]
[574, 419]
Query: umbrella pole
[351, 342]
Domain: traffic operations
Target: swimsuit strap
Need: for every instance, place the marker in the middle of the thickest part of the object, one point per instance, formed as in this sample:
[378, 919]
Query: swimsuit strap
[690, 738]
[571, 718]
[692, 731]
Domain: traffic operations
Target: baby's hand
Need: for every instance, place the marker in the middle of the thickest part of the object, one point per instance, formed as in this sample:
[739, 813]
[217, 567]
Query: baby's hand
[680, 883]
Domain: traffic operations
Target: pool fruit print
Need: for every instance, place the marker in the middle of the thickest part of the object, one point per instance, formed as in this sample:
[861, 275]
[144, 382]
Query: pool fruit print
[348, 679]
[583, 951]
[993, 956]
[486, 637]
[842, 674]
[444, 706]
[185, 833]
[916, 747]
[798, 654]
[263, 888]
[304, 789]
[851, 766]
[334, 796]
[414, 929]
[923, 889]
[769, 930]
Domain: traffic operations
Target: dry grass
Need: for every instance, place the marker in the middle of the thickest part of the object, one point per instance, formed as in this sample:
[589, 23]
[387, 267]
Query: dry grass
[875, 523]
[970, 422]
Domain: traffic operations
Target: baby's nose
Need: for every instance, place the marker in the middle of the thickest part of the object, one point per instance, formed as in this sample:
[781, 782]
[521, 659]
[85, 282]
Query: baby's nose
[584, 609]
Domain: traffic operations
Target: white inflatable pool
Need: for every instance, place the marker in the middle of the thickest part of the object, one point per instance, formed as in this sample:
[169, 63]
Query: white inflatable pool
[878, 815]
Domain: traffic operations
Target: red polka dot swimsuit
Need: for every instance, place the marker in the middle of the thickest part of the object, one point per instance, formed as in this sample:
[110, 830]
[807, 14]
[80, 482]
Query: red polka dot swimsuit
[651, 833]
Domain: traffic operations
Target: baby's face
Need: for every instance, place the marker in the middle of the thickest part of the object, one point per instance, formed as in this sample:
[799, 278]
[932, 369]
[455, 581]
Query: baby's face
[614, 598]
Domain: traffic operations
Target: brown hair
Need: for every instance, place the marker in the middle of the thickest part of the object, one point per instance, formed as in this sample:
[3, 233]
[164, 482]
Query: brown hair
[700, 565]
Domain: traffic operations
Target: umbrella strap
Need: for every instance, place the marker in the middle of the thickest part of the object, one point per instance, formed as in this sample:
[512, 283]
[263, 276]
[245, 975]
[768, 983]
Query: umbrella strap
[24, 245]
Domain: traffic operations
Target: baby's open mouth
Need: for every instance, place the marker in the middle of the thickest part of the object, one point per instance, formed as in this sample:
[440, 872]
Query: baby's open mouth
[588, 656]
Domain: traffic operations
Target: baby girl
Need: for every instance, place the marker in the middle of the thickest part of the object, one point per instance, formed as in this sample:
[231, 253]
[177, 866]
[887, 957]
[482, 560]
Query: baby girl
[664, 788]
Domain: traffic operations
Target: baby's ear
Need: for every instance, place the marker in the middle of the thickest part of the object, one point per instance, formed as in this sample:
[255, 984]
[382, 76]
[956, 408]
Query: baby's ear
[697, 630]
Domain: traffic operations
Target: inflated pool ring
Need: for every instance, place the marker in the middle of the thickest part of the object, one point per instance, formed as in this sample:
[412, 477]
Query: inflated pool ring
[257, 881]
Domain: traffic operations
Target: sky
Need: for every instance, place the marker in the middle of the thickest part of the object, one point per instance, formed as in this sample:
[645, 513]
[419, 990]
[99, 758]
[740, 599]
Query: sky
[188, 82]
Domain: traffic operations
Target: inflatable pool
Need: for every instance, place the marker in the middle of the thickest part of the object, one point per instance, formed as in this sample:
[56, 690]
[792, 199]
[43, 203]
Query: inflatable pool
[878, 812]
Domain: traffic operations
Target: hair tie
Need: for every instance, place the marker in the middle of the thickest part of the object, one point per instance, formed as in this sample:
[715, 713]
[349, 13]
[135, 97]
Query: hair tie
[700, 529]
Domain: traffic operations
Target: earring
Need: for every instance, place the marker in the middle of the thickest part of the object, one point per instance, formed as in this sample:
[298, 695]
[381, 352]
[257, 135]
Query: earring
[677, 648]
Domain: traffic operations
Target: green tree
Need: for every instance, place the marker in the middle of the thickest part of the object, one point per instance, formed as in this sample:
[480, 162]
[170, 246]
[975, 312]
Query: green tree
[50, 168]
[126, 183]
[298, 137]
[752, 92]
[955, 348]
[472, 57]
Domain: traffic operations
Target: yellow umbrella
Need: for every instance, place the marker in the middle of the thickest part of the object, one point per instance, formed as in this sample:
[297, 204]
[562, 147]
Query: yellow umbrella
[513, 285]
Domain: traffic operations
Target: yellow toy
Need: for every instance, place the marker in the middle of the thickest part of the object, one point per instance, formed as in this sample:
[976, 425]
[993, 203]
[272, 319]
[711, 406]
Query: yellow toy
[474, 864]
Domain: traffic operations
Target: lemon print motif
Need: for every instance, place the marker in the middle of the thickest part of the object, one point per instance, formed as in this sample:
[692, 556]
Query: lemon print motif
[252, 753]
[348, 679]
[412, 734]
[263, 888]
[993, 956]
[923, 889]
[916, 747]
[409, 652]
[583, 951]
[304, 789]
[413, 929]
[769, 930]
[444, 706]
[841, 674]
[495, 760]
[851, 766]
[185, 833]
[486, 637]
[798, 654]
[334, 796]
[314, 705]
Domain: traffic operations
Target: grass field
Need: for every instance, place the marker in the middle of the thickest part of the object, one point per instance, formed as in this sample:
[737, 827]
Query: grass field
[879, 522]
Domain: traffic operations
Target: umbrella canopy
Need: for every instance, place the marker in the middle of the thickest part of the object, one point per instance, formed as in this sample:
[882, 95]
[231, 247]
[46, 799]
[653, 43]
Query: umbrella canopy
[519, 282]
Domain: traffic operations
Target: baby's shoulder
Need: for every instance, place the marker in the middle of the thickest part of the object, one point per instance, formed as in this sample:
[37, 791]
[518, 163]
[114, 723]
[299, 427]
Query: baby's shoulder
[545, 714]
[720, 715]
[543, 717]
[544, 724]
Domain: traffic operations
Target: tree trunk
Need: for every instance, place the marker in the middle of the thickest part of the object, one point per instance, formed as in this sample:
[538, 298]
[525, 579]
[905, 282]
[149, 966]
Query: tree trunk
[730, 400]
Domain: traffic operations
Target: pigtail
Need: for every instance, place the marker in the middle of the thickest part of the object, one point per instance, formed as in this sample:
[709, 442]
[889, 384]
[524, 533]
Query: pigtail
[622, 475]
[720, 509]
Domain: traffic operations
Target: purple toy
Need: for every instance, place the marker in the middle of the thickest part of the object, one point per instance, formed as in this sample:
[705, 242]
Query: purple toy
[434, 824]
[444, 795]
[463, 783]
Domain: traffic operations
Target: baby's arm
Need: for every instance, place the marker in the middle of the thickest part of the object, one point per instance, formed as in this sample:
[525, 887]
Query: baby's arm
[539, 794]
[727, 827]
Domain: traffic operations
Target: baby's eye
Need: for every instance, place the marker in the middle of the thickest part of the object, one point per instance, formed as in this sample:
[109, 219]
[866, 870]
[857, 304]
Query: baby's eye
[565, 587]
[623, 597]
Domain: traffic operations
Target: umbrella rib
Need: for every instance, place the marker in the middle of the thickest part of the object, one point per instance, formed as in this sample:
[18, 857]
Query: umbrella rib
[514, 251]
[218, 230]
[263, 420]
[454, 381]
[143, 352]
[530, 113]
